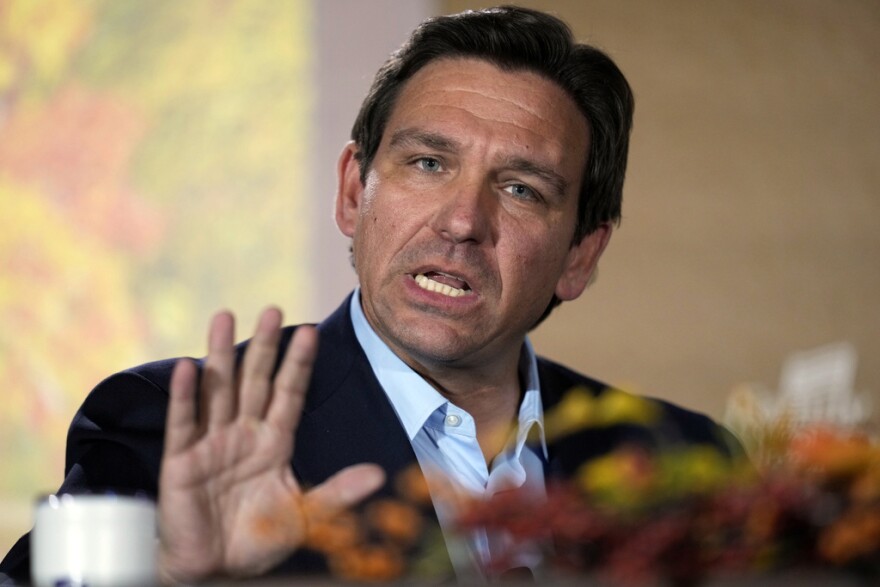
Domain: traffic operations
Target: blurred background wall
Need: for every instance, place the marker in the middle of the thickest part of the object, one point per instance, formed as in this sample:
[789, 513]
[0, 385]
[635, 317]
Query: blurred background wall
[752, 195]
[159, 160]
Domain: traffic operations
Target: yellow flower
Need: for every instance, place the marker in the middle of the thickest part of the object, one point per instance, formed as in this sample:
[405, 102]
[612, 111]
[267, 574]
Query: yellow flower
[698, 469]
[575, 412]
[580, 409]
[619, 407]
[624, 478]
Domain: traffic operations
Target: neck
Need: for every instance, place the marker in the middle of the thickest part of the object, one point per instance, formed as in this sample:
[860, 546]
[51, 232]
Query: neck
[485, 384]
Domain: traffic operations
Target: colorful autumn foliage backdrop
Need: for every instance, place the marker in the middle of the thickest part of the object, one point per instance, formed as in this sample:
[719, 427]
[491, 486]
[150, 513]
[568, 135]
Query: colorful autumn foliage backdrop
[151, 171]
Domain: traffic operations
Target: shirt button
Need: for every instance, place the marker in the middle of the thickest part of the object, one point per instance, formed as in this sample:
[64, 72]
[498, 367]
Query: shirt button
[453, 420]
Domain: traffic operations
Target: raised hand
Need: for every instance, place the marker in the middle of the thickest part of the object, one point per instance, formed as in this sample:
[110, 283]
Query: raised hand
[228, 466]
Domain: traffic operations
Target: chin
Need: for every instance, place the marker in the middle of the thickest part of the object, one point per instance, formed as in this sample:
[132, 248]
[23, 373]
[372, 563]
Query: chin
[435, 349]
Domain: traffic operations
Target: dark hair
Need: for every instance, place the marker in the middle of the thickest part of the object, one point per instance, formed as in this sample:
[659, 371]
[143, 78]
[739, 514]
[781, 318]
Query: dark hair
[514, 38]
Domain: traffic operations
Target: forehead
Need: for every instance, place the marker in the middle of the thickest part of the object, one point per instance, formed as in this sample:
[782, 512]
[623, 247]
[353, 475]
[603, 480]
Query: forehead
[475, 98]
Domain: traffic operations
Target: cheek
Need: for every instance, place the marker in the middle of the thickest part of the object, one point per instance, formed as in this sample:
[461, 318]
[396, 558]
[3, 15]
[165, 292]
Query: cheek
[517, 262]
[383, 229]
[396, 221]
[374, 216]
[535, 261]
[378, 212]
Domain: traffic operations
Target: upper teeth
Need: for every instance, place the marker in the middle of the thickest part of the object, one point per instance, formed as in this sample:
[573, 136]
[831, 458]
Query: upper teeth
[431, 285]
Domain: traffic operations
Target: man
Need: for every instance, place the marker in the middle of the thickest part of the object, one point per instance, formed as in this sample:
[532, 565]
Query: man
[479, 191]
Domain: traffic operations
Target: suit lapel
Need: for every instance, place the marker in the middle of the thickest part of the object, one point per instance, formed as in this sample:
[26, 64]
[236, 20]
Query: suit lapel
[568, 453]
[347, 417]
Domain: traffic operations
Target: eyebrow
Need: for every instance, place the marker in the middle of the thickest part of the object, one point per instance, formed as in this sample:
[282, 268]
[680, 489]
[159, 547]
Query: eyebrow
[409, 137]
[558, 183]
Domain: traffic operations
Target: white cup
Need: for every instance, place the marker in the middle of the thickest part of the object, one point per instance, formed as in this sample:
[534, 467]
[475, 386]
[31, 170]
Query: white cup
[94, 541]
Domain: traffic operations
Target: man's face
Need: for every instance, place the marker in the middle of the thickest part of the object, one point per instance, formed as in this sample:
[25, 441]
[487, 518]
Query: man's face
[463, 230]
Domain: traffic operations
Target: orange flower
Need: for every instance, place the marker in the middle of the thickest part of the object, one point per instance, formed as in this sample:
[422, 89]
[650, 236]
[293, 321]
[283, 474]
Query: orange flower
[410, 483]
[854, 535]
[376, 563]
[397, 520]
[334, 534]
[830, 454]
[281, 526]
[866, 487]
[762, 521]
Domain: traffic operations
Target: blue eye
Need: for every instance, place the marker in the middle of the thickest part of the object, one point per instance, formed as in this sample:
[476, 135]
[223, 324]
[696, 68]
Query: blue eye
[429, 164]
[521, 191]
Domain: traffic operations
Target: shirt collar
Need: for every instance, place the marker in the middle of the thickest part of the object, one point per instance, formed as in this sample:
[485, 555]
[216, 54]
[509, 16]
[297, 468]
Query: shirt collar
[414, 399]
[531, 410]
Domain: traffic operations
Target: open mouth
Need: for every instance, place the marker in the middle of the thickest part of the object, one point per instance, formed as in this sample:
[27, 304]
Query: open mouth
[442, 283]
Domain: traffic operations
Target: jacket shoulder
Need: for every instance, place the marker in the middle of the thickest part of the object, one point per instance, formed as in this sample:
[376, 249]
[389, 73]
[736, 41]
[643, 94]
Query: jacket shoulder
[671, 426]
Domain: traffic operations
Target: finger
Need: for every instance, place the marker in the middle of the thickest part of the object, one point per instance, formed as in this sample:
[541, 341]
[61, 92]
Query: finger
[343, 490]
[293, 378]
[259, 363]
[217, 388]
[180, 423]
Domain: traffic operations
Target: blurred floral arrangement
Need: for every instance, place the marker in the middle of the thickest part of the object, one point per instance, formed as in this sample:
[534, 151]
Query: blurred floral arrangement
[808, 496]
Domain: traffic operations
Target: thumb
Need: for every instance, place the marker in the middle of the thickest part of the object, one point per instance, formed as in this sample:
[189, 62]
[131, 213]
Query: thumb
[344, 489]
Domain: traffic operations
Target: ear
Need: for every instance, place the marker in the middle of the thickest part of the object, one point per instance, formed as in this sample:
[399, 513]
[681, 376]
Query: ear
[581, 263]
[350, 190]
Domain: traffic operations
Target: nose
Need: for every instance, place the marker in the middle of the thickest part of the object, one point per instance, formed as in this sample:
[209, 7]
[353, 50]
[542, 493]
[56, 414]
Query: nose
[464, 213]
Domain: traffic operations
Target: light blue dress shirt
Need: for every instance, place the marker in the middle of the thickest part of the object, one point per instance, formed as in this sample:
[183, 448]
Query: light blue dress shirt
[444, 439]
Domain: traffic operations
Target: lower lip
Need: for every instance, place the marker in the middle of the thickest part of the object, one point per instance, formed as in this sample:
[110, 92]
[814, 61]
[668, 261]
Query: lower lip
[437, 299]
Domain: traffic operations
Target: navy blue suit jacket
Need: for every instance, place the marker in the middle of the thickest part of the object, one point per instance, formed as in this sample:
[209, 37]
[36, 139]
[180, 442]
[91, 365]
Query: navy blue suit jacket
[115, 440]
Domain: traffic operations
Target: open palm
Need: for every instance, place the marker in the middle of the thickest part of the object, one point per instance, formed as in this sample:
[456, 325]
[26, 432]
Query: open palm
[228, 466]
